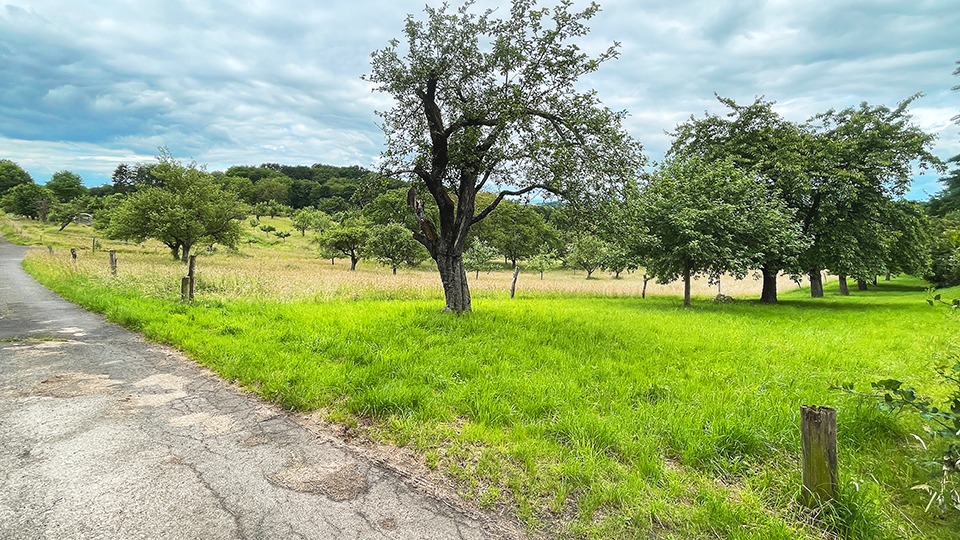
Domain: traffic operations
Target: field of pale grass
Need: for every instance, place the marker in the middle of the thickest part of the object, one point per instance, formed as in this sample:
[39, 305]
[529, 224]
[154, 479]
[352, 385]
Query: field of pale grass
[577, 407]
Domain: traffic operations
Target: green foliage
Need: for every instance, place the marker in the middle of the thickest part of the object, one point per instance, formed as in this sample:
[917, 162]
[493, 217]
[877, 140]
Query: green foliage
[393, 245]
[187, 209]
[709, 218]
[349, 239]
[12, 175]
[587, 252]
[390, 207]
[941, 422]
[543, 261]
[515, 231]
[619, 258]
[28, 200]
[477, 258]
[66, 186]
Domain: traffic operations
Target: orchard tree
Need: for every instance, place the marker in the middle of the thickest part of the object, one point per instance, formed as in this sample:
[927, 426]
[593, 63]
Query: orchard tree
[758, 141]
[12, 175]
[188, 209]
[348, 238]
[477, 257]
[516, 231]
[543, 261]
[66, 186]
[28, 200]
[482, 102]
[587, 252]
[695, 217]
[393, 246]
[862, 164]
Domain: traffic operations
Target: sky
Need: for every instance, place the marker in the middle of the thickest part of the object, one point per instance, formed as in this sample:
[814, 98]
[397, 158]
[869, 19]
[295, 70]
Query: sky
[86, 85]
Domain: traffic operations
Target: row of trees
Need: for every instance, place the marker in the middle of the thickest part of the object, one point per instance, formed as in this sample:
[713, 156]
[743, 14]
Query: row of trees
[751, 191]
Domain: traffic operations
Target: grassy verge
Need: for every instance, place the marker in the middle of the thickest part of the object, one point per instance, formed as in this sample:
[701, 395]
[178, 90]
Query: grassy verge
[586, 415]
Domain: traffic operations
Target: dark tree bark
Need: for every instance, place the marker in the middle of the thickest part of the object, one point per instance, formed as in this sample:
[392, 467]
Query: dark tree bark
[816, 283]
[185, 254]
[454, 279]
[686, 282]
[844, 289]
[769, 293]
[646, 278]
[861, 284]
[353, 262]
[887, 278]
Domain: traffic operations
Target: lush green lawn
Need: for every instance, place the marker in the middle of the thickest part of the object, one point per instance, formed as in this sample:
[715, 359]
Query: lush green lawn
[588, 415]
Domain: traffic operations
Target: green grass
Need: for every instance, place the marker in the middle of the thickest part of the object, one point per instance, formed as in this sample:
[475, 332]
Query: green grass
[591, 416]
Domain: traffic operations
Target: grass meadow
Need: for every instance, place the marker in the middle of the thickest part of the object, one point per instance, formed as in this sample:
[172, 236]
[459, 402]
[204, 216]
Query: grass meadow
[579, 407]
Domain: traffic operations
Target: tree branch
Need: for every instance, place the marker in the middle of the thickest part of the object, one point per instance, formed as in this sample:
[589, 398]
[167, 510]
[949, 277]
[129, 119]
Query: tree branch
[502, 194]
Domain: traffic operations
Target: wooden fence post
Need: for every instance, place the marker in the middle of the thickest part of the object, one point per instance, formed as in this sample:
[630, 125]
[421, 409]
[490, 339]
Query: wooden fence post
[513, 286]
[818, 437]
[73, 253]
[113, 262]
[191, 275]
[93, 247]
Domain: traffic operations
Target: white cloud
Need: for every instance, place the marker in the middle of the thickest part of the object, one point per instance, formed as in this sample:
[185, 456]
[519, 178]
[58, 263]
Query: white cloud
[238, 83]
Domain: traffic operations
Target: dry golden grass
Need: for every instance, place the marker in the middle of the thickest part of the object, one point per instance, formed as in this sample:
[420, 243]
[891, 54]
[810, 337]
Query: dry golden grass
[264, 268]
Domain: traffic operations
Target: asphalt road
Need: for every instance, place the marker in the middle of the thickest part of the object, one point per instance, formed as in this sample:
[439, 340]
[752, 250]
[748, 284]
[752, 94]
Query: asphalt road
[103, 435]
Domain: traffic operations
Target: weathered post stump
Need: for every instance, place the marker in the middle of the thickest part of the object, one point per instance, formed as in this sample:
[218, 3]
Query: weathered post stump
[113, 262]
[73, 253]
[191, 275]
[818, 437]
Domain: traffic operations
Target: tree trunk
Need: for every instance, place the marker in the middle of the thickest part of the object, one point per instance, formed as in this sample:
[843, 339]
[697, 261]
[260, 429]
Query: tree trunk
[874, 281]
[353, 262]
[643, 294]
[589, 273]
[861, 284]
[816, 283]
[686, 283]
[454, 280]
[394, 270]
[769, 293]
[844, 290]
[887, 278]
[185, 254]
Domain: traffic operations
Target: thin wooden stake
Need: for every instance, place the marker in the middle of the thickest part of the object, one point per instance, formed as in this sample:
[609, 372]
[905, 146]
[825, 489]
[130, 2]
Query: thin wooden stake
[513, 286]
[192, 275]
[93, 247]
[113, 262]
[818, 437]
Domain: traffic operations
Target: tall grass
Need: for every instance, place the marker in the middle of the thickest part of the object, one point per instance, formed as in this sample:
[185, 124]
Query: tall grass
[588, 413]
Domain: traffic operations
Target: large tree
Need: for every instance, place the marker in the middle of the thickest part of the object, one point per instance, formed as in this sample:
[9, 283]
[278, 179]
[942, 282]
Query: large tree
[66, 185]
[28, 200]
[861, 164]
[12, 175]
[710, 218]
[757, 140]
[188, 209]
[482, 102]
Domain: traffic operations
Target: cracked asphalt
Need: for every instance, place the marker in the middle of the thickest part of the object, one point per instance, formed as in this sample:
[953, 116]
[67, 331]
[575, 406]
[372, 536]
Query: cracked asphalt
[104, 435]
